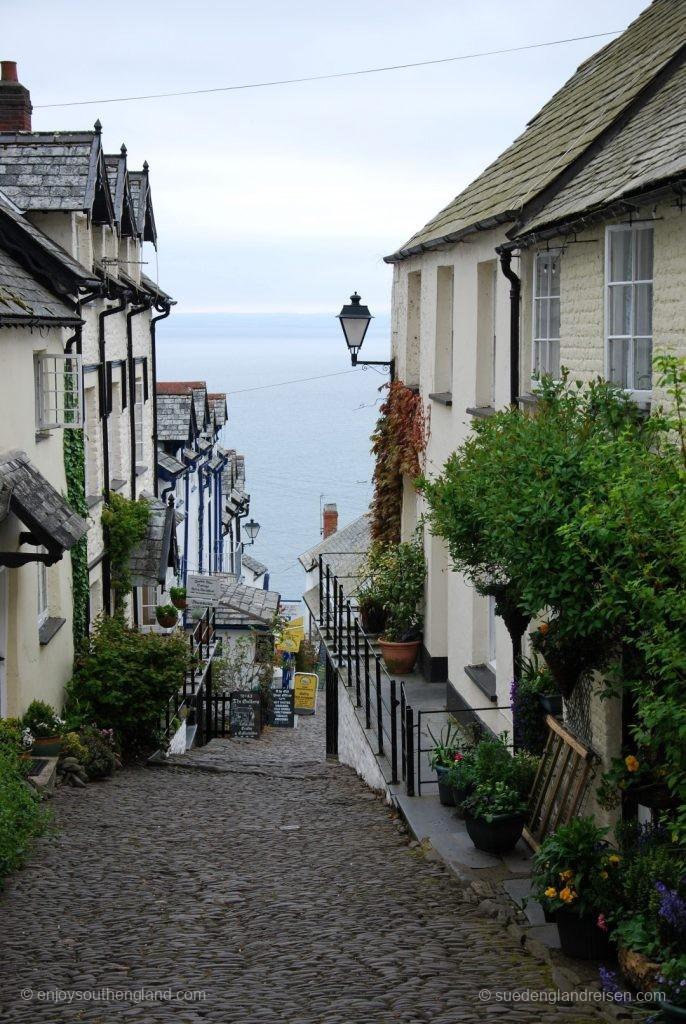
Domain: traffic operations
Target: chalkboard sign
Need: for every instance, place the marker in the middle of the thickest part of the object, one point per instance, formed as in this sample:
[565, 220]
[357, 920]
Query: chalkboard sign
[244, 715]
[284, 713]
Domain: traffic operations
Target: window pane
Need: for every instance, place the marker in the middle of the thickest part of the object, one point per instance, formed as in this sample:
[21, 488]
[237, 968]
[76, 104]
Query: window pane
[643, 312]
[619, 352]
[554, 324]
[620, 309]
[620, 255]
[541, 275]
[643, 355]
[541, 324]
[643, 254]
[537, 358]
[554, 359]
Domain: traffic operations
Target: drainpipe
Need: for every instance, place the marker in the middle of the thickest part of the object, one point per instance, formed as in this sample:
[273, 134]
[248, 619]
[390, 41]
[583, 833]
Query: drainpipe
[166, 310]
[201, 515]
[515, 297]
[219, 537]
[104, 416]
[187, 499]
[135, 311]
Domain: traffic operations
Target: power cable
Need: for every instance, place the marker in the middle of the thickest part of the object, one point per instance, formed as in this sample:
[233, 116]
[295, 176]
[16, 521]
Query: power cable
[321, 78]
[281, 384]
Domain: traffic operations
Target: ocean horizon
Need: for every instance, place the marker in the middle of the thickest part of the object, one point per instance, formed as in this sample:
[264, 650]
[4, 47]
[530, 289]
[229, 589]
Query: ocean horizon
[297, 411]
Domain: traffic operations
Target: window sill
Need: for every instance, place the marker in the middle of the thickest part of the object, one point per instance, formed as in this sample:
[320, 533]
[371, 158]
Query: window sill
[484, 678]
[117, 484]
[140, 469]
[94, 499]
[443, 398]
[42, 435]
[481, 412]
[47, 630]
[531, 399]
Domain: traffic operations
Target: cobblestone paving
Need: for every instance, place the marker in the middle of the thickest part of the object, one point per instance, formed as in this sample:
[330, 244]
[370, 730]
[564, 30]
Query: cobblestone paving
[275, 884]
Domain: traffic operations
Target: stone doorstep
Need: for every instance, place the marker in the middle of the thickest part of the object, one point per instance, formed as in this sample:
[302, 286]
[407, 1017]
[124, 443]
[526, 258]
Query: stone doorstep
[44, 782]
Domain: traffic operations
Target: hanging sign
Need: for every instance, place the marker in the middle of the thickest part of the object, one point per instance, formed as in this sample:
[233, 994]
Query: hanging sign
[306, 684]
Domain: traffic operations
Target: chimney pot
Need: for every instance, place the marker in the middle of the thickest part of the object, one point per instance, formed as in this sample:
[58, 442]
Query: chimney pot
[330, 524]
[9, 70]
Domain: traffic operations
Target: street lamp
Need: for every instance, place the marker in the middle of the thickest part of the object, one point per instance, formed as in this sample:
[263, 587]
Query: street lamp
[252, 529]
[355, 320]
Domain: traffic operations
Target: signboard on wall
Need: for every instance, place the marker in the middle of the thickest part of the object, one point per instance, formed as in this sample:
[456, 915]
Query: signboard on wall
[204, 590]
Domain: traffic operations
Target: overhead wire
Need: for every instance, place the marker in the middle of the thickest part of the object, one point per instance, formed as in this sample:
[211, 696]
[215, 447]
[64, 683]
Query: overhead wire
[332, 75]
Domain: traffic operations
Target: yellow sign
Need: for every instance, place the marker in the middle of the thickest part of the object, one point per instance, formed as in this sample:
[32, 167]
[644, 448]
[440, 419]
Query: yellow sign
[289, 644]
[306, 693]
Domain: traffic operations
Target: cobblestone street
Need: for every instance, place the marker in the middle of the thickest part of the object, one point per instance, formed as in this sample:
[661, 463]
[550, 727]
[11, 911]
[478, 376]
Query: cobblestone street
[265, 878]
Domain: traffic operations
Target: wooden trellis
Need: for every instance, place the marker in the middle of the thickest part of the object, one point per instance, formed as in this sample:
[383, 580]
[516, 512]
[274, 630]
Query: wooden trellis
[561, 784]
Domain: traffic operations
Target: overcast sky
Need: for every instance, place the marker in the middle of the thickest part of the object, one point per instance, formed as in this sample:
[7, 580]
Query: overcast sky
[287, 198]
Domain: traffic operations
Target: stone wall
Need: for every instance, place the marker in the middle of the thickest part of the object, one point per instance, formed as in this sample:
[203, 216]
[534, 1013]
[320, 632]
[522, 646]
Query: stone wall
[353, 745]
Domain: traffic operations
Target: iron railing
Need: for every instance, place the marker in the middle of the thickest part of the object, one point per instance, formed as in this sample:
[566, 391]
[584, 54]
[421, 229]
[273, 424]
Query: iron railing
[194, 700]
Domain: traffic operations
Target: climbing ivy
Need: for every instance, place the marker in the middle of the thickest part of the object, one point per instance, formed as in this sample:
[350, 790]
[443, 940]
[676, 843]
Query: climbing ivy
[75, 470]
[398, 443]
[125, 524]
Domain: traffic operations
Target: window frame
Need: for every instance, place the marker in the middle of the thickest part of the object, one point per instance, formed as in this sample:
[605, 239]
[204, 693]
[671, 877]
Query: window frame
[42, 591]
[611, 230]
[555, 253]
[45, 421]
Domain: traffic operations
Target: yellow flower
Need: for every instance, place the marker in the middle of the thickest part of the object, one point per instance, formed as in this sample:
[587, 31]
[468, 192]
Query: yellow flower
[604, 874]
[631, 763]
[567, 894]
[550, 893]
[566, 875]
[614, 859]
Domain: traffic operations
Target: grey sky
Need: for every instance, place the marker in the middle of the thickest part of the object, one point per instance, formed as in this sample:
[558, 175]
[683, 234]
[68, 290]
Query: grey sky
[286, 198]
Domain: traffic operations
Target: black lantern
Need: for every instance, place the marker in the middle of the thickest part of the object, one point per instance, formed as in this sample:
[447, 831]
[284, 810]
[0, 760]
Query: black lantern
[252, 529]
[355, 319]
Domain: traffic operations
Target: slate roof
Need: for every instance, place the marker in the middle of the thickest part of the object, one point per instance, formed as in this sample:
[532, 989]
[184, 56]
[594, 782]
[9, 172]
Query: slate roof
[648, 151]
[175, 417]
[243, 605]
[255, 567]
[218, 408]
[37, 504]
[56, 171]
[17, 232]
[169, 465]
[24, 301]
[139, 183]
[154, 289]
[344, 552]
[149, 560]
[122, 201]
[577, 114]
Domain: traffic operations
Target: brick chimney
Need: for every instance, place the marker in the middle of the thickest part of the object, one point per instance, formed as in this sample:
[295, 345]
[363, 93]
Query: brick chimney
[15, 101]
[330, 520]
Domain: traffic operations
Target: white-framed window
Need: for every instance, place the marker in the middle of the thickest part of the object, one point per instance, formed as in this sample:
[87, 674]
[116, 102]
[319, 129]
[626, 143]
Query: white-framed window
[629, 305]
[149, 598]
[491, 633]
[42, 590]
[546, 314]
[138, 419]
[58, 391]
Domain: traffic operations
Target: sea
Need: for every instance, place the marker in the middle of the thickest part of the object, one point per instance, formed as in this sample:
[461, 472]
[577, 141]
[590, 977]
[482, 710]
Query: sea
[298, 412]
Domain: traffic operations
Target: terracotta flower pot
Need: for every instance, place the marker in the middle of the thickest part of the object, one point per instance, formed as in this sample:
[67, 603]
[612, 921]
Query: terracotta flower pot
[638, 970]
[400, 658]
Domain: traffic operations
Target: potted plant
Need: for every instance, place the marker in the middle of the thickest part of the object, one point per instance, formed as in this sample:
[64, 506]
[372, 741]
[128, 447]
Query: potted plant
[178, 597]
[45, 728]
[576, 878]
[400, 578]
[495, 815]
[638, 776]
[370, 604]
[441, 758]
[167, 615]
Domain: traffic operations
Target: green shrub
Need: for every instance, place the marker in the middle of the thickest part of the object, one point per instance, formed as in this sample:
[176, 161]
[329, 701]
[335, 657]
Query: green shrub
[11, 735]
[124, 679]
[21, 816]
[73, 747]
[100, 757]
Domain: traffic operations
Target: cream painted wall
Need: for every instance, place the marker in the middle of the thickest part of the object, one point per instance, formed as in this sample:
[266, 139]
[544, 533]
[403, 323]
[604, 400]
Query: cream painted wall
[456, 618]
[33, 671]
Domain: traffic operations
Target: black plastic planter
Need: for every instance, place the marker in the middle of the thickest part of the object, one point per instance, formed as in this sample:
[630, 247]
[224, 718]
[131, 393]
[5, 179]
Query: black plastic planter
[551, 703]
[497, 836]
[581, 938]
[445, 792]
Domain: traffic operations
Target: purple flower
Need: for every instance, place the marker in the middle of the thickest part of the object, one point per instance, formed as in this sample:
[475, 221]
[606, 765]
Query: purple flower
[609, 980]
[672, 907]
